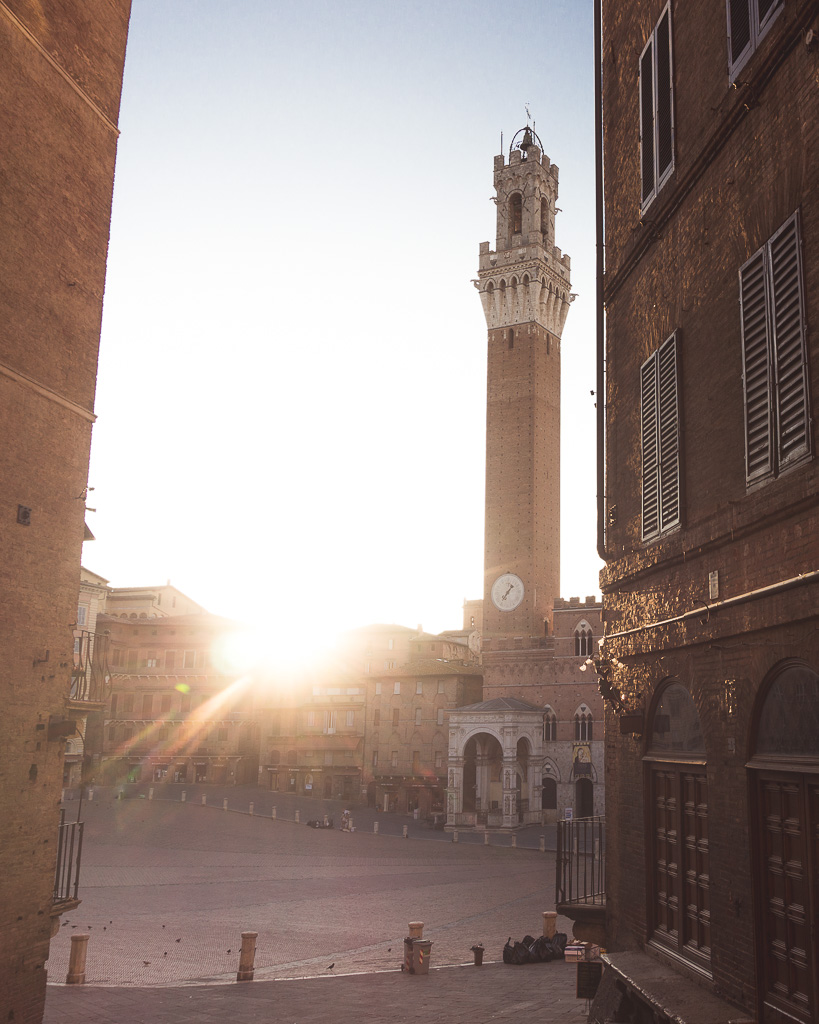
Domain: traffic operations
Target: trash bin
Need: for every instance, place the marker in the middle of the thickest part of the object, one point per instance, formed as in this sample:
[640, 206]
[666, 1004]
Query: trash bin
[478, 951]
[408, 953]
[420, 956]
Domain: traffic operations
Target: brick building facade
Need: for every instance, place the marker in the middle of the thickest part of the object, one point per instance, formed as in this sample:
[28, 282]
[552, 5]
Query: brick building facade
[60, 79]
[177, 712]
[711, 133]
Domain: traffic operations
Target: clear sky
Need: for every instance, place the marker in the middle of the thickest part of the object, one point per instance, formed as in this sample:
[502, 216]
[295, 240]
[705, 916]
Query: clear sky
[291, 391]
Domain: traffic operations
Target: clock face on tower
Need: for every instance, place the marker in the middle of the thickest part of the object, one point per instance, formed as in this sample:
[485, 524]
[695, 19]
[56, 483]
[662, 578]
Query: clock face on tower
[507, 592]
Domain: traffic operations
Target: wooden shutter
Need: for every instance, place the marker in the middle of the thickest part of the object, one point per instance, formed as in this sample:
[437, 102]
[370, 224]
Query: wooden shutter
[665, 117]
[789, 343]
[739, 29]
[756, 367]
[668, 414]
[647, 119]
[650, 448]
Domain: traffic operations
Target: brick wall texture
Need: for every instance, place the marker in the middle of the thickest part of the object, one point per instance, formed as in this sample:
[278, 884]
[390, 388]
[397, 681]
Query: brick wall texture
[60, 82]
[745, 160]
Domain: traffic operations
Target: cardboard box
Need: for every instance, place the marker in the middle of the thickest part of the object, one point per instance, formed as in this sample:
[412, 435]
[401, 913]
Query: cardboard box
[577, 951]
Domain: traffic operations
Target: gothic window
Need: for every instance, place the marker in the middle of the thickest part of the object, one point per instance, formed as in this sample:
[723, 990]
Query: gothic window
[583, 638]
[774, 355]
[660, 440]
[748, 21]
[515, 213]
[544, 215]
[549, 725]
[657, 109]
[583, 725]
[680, 903]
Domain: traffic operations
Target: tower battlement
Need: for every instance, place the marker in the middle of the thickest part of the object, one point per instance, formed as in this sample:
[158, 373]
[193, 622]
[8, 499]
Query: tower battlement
[526, 278]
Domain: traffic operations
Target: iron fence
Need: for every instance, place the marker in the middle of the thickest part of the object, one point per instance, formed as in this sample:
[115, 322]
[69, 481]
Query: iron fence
[69, 852]
[580, 868]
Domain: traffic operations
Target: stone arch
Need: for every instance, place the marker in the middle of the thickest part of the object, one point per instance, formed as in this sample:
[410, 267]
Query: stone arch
[515, 213]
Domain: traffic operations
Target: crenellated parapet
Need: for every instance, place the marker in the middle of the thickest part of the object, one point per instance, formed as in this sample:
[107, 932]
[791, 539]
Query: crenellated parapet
[526, 278]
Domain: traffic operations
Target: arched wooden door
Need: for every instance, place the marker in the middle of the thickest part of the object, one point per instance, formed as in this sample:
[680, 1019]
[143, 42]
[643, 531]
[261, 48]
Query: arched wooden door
[784, 771]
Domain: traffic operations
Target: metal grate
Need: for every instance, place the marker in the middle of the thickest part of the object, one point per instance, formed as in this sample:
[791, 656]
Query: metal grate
[69, 851]
[580, 868]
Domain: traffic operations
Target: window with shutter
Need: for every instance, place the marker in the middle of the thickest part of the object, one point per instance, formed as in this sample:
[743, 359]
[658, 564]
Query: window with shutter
[656, 109]
[748, 21]
[774, 355]
[660, 444]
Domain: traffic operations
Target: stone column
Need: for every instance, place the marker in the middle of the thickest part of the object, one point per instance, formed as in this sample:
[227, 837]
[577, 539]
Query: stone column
[247, 956]
[76, 960]
[508, 777]
[455, 790]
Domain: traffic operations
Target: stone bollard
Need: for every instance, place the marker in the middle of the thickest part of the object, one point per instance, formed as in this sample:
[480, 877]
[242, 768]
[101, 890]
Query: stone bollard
[514, 841]
[90, 793]
[543, 844]
[326, 820]
[549, 923]
[455, 837]
[76, 960]
[247, 956]
[406, 831]
[297, 817]
[184, 796]
[416, 929]
[350, 824]
[151, 793]
[273, 814]
[375, 828]
[486, 839]
[204, 799]
[224, 804]
[251, 806]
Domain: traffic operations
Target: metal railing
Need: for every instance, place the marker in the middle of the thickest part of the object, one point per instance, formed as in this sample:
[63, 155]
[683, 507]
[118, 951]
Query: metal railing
[69, 852]
[90, 676]
[580, 867]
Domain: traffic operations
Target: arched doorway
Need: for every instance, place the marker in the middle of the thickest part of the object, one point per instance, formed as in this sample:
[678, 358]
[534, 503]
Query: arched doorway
[784, 777]
[482, 785]
[584, 798]
[548, 794]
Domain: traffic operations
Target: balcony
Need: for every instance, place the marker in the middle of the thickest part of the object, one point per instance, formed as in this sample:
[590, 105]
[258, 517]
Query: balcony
[90, 676]
[580, 876]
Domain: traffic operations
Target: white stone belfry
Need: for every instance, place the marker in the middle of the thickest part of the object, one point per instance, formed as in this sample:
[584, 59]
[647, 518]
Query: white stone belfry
[526, 279]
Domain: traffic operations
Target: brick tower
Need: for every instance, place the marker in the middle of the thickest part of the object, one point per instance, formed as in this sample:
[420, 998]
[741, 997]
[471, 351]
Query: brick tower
[525, 754]
[525, 290]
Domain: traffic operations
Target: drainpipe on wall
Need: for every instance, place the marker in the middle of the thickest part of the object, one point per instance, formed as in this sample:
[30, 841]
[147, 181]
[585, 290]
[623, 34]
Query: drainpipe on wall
[600, 236]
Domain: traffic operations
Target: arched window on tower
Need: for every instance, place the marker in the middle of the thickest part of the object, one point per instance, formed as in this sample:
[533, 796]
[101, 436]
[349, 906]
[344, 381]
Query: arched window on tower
[549, 725]
[583, 638]
[511, 338]
[515, 213]
[583, 725]
[544, 215]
